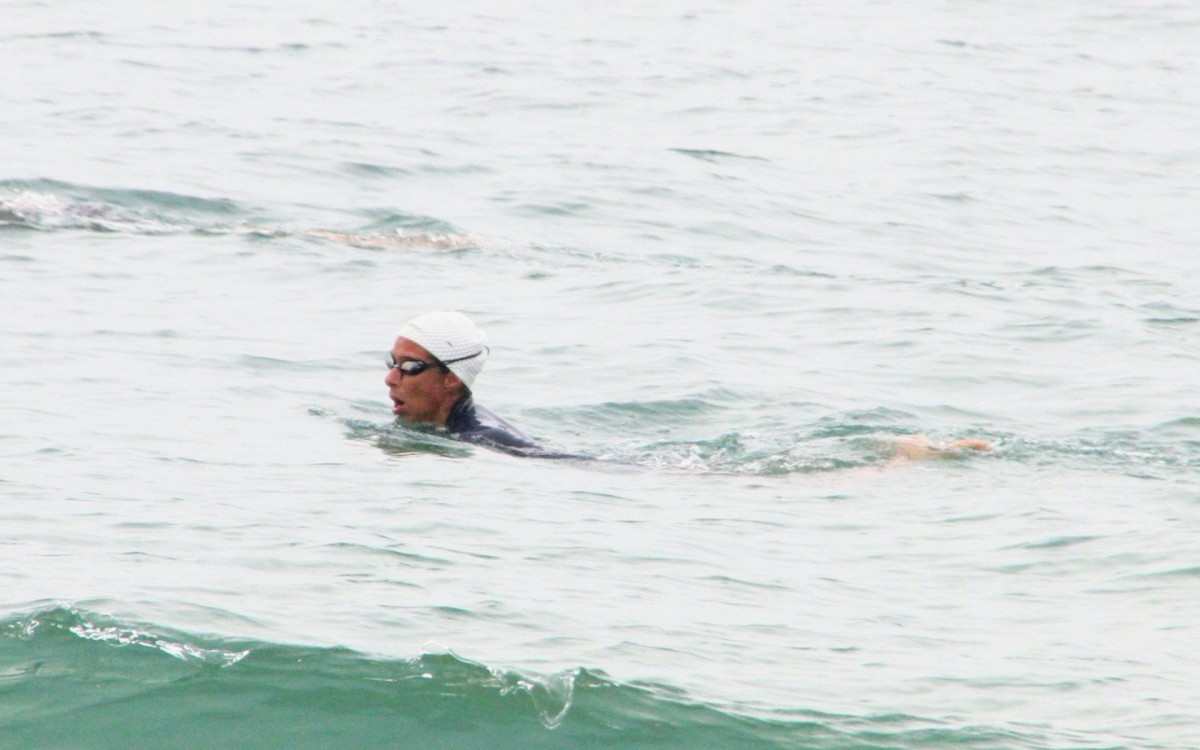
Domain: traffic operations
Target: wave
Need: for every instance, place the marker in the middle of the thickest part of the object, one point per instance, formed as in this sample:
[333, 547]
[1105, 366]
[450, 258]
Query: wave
[48, 205]
[71, 678]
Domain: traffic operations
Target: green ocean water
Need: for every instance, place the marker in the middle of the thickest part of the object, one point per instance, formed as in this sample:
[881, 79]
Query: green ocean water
[75, 681]
[733, 254]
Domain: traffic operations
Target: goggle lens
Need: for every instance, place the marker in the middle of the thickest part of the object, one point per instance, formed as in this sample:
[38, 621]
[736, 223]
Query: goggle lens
[408, 366]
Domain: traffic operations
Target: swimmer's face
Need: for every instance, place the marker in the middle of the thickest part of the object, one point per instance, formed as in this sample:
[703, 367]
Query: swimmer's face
[428, 396]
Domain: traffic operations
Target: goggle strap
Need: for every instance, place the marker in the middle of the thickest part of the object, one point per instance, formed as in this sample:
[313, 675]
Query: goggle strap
[469, 356]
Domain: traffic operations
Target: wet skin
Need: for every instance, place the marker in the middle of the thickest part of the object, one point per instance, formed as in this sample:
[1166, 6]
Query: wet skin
[427, 397]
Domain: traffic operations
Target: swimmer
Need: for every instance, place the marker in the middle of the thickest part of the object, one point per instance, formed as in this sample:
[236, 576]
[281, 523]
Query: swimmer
[432, 366]
[438, 355]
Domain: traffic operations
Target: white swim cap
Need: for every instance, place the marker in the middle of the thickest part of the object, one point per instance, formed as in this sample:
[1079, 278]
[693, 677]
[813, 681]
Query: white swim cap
[453, 338]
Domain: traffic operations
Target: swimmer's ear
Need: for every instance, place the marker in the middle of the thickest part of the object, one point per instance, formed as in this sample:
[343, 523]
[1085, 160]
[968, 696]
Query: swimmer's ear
[454, 382]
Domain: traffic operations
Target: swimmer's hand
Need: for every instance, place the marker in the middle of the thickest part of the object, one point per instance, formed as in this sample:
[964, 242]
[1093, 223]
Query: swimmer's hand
[919, 446]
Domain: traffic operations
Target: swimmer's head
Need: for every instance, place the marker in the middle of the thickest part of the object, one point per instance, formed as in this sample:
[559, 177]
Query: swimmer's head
[453, 339]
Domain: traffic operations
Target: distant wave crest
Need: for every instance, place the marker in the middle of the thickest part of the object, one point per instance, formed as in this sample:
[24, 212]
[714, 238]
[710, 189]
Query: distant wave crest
[46, 205]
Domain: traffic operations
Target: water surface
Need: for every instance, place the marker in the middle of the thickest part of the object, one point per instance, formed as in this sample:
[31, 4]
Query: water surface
[733, 253]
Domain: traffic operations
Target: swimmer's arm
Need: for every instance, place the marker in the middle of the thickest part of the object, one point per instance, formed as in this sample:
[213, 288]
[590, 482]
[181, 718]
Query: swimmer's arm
[919, 446]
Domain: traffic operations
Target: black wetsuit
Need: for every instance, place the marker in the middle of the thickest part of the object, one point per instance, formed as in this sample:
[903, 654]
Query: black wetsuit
[479, 425]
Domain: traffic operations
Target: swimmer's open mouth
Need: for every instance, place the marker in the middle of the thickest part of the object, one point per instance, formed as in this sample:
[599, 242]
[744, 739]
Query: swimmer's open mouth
[397, 406]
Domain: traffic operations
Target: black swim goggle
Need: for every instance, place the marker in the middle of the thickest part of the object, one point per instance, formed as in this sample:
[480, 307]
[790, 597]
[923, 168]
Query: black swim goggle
[416, 366]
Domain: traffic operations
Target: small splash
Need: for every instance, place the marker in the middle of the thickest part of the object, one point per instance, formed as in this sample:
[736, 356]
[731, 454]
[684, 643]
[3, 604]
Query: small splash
[25, 207]
[67, 620]
[123, 636]
[746, 454]
[46, 211]
[551, 695]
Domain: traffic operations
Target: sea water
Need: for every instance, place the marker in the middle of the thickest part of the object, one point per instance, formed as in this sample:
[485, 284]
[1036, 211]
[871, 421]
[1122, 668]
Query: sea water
[734, 252]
